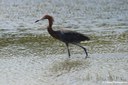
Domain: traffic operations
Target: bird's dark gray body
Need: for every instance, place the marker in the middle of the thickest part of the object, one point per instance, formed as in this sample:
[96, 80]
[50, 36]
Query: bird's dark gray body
[71, 36]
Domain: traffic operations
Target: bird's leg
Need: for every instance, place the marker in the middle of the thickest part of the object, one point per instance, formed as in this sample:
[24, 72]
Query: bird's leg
[68, 49]
[83, 48]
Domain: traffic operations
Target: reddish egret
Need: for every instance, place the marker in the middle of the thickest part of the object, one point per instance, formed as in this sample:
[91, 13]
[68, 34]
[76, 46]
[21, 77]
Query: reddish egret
[65, 36]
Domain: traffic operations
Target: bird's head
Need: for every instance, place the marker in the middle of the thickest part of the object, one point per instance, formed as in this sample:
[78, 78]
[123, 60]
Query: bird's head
[50, 18]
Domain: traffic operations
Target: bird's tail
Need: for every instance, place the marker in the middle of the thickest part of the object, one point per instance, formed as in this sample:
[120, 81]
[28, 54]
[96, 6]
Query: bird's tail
[84, 38]
[87, 38]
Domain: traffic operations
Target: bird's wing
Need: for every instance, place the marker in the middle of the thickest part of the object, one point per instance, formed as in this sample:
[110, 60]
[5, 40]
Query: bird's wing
[71, 36]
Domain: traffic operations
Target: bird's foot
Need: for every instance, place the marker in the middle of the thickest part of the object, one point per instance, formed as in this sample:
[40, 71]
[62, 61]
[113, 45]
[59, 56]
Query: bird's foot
[87, 57]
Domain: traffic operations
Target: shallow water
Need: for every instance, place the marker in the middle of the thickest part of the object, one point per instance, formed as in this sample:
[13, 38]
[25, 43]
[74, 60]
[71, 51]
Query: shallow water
[57, 69]
[29, 56]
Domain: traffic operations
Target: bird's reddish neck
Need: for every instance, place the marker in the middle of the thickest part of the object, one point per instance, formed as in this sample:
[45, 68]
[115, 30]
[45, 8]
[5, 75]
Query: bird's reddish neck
[50, 23]
[50, 30]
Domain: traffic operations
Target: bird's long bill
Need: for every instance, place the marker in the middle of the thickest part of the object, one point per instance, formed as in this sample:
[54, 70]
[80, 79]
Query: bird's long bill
[37, 21]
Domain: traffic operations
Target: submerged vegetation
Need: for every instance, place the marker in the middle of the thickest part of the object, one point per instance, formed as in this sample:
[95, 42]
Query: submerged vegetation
[98, 44]
[28, 38]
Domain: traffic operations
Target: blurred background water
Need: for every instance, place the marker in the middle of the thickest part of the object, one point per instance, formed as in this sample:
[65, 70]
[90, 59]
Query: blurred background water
[19, 15]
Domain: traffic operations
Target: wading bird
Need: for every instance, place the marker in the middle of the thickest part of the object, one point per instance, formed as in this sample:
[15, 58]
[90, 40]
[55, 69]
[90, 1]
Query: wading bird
[65, 36]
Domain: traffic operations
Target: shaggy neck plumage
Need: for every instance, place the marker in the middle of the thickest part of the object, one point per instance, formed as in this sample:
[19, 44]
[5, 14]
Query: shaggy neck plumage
[50, 30]
[50, 23]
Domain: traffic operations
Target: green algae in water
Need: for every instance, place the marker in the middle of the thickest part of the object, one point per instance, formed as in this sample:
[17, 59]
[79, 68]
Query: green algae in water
[98, 43]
